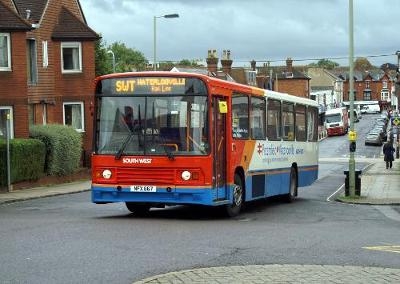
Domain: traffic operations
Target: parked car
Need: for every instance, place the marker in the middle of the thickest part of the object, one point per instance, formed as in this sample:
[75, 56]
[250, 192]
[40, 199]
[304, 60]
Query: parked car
[370, 109]
[373, 138]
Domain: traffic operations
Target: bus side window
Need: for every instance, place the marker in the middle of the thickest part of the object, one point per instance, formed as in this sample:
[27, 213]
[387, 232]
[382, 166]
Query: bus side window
[312, 124]
[274, 126]
[301, 123]
[288, 121]
[240, 116]
[257, 118]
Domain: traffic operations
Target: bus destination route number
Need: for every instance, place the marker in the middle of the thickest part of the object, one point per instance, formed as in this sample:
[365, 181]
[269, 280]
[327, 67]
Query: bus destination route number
[149, 85]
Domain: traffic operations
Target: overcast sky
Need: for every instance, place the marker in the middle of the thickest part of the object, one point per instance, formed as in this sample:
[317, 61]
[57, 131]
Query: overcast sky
[263, 30]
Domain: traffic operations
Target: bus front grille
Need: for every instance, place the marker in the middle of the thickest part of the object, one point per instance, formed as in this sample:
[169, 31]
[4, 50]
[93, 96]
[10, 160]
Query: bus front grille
[145, 176]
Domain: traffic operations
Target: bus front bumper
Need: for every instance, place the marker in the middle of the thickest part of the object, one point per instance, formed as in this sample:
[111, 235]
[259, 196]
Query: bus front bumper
[172, 196]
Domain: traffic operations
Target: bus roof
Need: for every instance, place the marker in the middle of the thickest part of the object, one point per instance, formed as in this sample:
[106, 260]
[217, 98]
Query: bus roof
[216, 82]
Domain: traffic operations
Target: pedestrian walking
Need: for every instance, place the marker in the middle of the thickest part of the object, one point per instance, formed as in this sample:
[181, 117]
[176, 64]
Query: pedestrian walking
[388, 151]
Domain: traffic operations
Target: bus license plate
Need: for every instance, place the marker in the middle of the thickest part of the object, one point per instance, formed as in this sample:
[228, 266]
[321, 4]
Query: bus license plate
[143, 188]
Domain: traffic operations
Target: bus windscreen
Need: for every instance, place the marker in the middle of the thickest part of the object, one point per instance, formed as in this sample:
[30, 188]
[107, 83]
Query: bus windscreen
[164, 116]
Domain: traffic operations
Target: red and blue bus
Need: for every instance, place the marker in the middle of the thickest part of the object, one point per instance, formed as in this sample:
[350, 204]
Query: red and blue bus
[170, 138]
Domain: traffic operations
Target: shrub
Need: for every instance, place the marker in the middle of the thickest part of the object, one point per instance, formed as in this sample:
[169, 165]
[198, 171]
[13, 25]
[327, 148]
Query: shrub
[26, 160]
[63, 147]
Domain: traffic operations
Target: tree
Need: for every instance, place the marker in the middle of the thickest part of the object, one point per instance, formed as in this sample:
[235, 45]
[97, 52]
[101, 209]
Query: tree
[362, 64]
[126, 59]
[189, 63]
[325, 63]
[103, 64]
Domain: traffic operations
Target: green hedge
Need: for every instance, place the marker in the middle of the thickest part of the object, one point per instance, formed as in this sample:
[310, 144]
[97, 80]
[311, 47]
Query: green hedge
[63, 146]
[27, 158]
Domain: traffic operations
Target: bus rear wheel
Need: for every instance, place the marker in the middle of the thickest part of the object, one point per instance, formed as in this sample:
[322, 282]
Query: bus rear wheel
[233, 209]
[138, 208]
[292, 186]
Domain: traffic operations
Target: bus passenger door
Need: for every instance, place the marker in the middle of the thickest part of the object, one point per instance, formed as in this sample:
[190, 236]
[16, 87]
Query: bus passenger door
[219, 148]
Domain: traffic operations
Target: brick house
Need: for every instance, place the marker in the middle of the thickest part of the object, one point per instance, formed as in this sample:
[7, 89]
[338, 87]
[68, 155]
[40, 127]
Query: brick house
[47, 66]
[286, 79]
[370, 86]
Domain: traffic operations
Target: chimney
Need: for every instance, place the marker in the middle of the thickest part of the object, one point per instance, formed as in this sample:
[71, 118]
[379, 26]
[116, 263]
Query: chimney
[226, 61]
[212, 61]
[289, 66]
[253, 65]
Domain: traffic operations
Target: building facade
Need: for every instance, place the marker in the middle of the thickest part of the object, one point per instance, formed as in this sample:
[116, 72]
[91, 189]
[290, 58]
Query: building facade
[326, 88]
[371, 86]
[47, 67]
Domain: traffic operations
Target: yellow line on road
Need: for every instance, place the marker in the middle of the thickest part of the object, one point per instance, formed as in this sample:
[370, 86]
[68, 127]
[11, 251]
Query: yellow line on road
[395, 249]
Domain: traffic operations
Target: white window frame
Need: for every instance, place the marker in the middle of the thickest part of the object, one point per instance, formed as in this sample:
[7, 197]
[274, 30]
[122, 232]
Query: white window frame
[81, 127]
[10, 109]
[45, 54]
[385, 95]
[72, 45]
[8, 38]
[32, 61]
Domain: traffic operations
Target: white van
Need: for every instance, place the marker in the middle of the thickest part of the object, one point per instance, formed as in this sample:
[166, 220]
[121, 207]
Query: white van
[371, 109]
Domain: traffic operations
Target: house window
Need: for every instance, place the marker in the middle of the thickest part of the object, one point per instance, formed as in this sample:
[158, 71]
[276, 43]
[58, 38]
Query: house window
[385, 96]
[251, 78]
[32, 67]
[367, 95]
[5, 52]
[367, 84]
[71, 55]
[385, 84]
[6, 114]
[45, 55]
[73, 115]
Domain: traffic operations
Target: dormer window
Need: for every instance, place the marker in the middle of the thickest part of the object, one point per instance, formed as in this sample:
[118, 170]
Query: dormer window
[71, 57]
[5, 52]
[289, 74]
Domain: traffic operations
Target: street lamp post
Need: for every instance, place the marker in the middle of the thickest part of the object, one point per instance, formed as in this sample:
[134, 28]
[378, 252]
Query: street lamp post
[113, 59]
[168, 16]
[352, 164]
[397, 92]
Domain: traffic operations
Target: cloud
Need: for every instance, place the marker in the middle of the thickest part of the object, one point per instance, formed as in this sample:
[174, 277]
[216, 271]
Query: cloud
[258, 29]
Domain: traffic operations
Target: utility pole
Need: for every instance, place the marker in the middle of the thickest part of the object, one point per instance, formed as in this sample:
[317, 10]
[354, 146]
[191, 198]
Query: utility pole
[352, 134]
[8, 152]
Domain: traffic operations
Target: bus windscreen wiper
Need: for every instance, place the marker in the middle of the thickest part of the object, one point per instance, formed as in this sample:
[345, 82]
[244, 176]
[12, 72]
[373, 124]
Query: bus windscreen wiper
[123, 146]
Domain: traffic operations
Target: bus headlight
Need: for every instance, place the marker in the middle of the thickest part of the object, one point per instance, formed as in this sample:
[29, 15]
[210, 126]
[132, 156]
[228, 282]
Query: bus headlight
[186, 175]
[106, 174]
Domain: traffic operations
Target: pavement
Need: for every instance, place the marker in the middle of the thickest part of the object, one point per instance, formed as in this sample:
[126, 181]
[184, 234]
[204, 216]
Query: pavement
[379, 186]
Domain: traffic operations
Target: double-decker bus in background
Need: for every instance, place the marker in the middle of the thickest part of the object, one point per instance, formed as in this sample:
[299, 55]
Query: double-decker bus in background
[169, 138]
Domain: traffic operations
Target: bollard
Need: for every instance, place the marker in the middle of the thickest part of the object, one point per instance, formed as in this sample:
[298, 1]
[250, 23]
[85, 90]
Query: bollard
[357, 190]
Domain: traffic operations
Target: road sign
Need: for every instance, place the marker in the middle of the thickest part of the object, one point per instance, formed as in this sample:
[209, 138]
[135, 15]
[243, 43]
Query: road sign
[396, 121]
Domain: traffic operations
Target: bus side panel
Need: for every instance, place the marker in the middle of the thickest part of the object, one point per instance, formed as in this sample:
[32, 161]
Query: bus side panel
[307, 175]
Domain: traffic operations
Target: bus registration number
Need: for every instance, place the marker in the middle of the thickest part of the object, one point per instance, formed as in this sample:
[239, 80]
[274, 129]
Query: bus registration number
[143, 188]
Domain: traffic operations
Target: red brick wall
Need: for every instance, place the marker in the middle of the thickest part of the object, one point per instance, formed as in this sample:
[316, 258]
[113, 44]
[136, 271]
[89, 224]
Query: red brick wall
[360, 86]
[296, 87]
[13, 90]
[52, 86]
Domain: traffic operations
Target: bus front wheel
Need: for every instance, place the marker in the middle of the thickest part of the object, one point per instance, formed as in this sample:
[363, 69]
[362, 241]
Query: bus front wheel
[234, 208]
[137, 208]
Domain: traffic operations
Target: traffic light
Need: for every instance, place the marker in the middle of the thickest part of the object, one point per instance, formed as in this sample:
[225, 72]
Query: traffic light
[352, 146]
